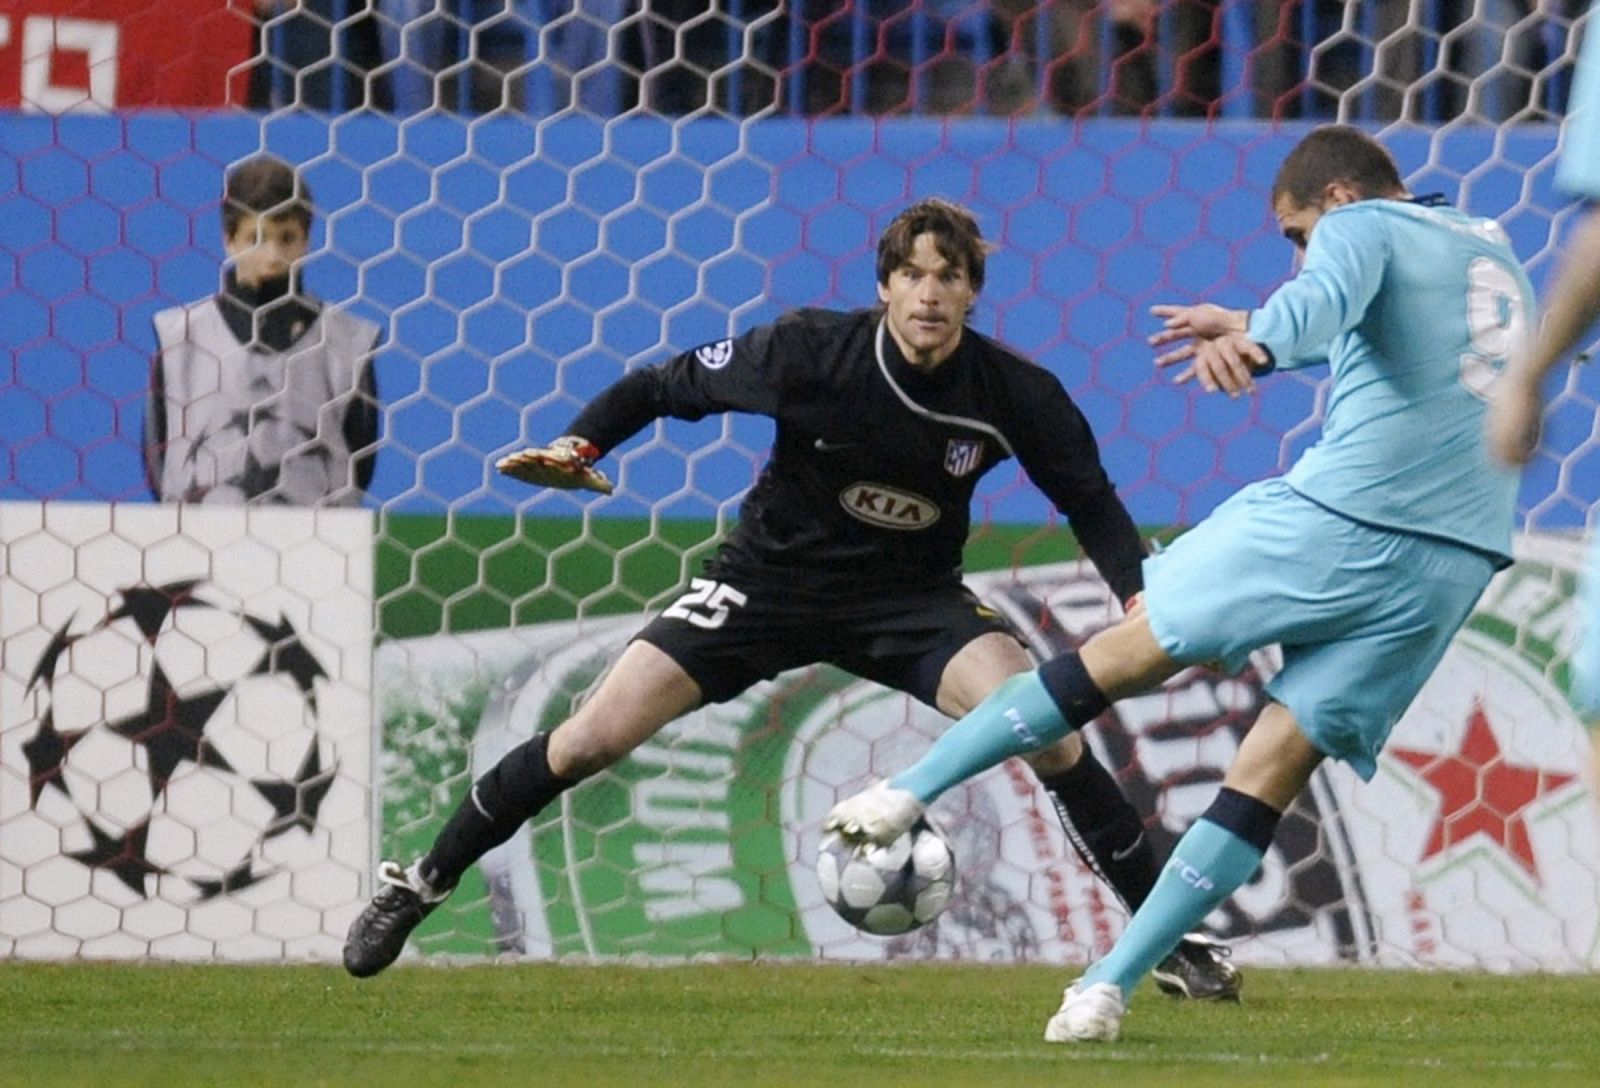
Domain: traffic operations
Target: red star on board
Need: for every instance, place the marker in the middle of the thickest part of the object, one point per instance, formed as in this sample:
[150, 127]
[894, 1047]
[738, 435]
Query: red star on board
[1481, 793]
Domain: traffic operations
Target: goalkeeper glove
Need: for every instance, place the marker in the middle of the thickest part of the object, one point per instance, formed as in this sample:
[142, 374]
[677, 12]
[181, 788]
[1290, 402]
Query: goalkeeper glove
[567, 463]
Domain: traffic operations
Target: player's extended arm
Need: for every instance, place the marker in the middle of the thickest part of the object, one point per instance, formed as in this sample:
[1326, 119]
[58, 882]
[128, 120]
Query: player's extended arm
[613, 417]
[731, 376]
[1057, 448]
[1201, 321]
[1108, 536]
[1518, 403]
[1574, 299]
[1344, 266]
[566, 463]
[1219, 354]
[616, 415]
[1228, 363]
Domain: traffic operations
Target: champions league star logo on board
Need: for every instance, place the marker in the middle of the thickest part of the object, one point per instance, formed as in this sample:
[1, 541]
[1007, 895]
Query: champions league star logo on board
[176, 746]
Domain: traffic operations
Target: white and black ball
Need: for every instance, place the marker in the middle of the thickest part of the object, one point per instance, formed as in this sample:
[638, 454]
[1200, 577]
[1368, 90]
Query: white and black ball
[888, 890]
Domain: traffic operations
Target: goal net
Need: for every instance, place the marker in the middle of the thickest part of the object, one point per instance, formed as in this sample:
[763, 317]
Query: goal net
[214, 719]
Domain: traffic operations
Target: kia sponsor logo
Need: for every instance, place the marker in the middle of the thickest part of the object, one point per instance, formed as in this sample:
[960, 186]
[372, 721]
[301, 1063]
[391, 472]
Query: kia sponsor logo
[887, 507]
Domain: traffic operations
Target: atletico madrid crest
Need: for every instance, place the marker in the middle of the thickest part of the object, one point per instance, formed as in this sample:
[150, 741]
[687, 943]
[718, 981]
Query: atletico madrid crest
[963, 455]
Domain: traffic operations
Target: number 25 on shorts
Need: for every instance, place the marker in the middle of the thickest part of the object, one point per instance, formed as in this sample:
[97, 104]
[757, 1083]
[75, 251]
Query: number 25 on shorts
[706, 604]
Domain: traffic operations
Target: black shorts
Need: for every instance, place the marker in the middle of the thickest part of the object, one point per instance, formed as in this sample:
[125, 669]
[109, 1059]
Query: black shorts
[728, 633]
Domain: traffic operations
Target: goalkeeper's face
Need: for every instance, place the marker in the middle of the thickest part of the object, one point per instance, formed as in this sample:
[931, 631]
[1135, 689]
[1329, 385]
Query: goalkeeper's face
[266, 248]
[927, 299]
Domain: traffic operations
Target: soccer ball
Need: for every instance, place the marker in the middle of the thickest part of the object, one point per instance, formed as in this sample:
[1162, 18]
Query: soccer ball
[888, 890]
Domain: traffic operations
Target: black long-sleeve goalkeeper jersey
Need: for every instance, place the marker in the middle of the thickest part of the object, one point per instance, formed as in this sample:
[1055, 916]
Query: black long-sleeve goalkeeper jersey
[872, 473]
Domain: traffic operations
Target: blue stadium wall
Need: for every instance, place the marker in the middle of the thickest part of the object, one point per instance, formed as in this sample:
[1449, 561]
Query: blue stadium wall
[519, 271]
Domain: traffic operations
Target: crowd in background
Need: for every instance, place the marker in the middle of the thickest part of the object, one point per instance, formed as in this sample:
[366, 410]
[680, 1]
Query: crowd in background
[1421, 60]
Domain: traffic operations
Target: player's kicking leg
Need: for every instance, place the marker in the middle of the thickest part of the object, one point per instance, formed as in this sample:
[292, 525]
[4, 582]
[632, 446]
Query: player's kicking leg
[1027, 713]
[1034, 710]
[1099, 823]
[645, 691]
[1192, 966]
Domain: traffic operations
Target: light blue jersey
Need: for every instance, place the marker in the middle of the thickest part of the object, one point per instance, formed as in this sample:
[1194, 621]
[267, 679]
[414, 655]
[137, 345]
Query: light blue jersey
[1415, 309]
[1579, 169]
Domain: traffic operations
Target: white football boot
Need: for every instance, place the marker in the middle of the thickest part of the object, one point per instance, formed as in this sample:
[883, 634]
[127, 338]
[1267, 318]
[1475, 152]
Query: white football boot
[1088, 1014]
[878, 814]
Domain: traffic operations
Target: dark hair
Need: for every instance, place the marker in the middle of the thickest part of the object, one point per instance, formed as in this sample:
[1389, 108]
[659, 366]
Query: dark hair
[1336, 153]
[265, 186]
[955, 232]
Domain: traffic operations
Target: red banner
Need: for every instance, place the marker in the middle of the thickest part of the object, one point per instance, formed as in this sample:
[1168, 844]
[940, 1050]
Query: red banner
[96, 55]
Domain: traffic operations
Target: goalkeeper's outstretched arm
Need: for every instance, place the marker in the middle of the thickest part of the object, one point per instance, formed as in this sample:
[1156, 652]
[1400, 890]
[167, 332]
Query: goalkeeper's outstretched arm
[739, 375]
[566, 463]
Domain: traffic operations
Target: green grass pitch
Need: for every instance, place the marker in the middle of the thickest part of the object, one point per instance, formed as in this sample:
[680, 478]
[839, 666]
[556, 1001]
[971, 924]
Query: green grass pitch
[771, 1024]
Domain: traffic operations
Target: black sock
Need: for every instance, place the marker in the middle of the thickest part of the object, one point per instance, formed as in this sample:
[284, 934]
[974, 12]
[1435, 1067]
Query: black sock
[1253, 821]
[1074, 692]
[505, 798]
[1104, 828]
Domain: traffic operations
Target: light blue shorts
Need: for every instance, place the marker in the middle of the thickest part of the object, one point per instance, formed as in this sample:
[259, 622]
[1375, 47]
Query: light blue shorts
[1363, 614]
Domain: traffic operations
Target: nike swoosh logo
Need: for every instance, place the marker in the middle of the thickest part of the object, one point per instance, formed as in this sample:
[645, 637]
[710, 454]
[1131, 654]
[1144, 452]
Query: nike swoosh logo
[1120, 855]
[822, 445]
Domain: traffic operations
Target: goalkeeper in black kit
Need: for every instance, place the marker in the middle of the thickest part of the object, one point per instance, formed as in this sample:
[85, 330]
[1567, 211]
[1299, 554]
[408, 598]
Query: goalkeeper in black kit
[847, 551]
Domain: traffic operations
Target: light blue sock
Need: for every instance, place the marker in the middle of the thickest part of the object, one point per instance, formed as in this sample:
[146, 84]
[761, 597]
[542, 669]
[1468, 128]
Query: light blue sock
[1209, 864]
[1019, 717]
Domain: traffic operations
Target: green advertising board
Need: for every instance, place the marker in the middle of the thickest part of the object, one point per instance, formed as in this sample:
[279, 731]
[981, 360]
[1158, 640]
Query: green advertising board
[464, 576]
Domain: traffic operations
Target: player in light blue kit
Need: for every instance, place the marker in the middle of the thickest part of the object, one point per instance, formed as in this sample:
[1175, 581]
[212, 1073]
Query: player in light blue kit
[1362, 562]
[1573, 306]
